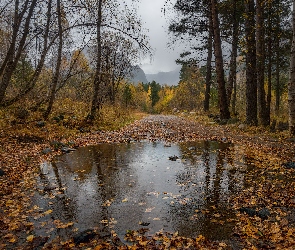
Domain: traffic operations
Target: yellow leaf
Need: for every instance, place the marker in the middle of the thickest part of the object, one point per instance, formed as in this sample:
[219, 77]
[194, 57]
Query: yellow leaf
[59, 224]
[30, 238]
[125, 200]
[48, 212]
[12, 240]
[200, 238]
[9, 203]
[70, 224]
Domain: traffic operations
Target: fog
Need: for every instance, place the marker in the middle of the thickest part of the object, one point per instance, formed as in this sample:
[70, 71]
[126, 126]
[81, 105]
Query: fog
[157, 24]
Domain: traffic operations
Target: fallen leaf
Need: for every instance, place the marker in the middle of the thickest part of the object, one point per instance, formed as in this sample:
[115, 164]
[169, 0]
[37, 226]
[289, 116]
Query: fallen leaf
[148, 210]
[48, 212]
[30, 238]
[59, 224]
[12, 240]
[222, 244]
[9, 203]
[200, 238]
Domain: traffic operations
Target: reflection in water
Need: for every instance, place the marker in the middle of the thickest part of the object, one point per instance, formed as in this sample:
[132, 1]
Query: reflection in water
[119, 185]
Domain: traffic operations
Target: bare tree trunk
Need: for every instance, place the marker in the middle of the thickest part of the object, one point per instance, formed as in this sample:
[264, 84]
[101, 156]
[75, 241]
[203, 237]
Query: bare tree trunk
[277, 78]
[234, 97]
[14, 54]
[232, 80]
[291, 85]
[16, 26]
[269, 87]
[269, 66]
[32, 82]
[277, 51]
[209, 63]
[113, 85]
[223, 106]
[251, 78]
[97, 76]
[56, 76]
[260, 62]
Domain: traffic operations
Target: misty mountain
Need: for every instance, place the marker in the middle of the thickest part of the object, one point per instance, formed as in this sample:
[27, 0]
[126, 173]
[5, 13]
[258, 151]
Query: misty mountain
[138, 75]
[170, 78]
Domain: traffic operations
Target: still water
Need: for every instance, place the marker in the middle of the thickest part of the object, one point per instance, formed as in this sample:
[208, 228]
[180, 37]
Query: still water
[124, 187]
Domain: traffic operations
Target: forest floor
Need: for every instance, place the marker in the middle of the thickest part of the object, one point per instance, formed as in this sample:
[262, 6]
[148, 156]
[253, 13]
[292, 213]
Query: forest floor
[24, 147]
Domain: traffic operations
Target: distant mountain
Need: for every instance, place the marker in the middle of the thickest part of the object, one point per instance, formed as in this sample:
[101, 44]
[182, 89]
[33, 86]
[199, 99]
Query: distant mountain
[170, 78]
[138, 75]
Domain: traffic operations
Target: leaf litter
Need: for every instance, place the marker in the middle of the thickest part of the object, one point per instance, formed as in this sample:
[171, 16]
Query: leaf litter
[269, 185]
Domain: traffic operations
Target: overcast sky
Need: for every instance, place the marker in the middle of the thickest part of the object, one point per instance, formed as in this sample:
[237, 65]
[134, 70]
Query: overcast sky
[153, 19]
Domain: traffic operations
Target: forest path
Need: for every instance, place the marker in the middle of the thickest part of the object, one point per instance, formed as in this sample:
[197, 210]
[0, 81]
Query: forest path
[171, 128]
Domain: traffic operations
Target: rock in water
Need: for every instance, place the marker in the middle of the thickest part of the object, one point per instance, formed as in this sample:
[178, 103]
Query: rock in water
[145, 224]
[173, 158]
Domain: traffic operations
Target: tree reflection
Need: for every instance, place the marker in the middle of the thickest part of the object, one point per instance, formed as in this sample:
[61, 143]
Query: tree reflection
[136, 182]
[96, 177]
[208, 182]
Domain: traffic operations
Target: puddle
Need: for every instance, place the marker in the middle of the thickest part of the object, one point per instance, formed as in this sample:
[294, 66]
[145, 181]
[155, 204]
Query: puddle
[130, 186]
